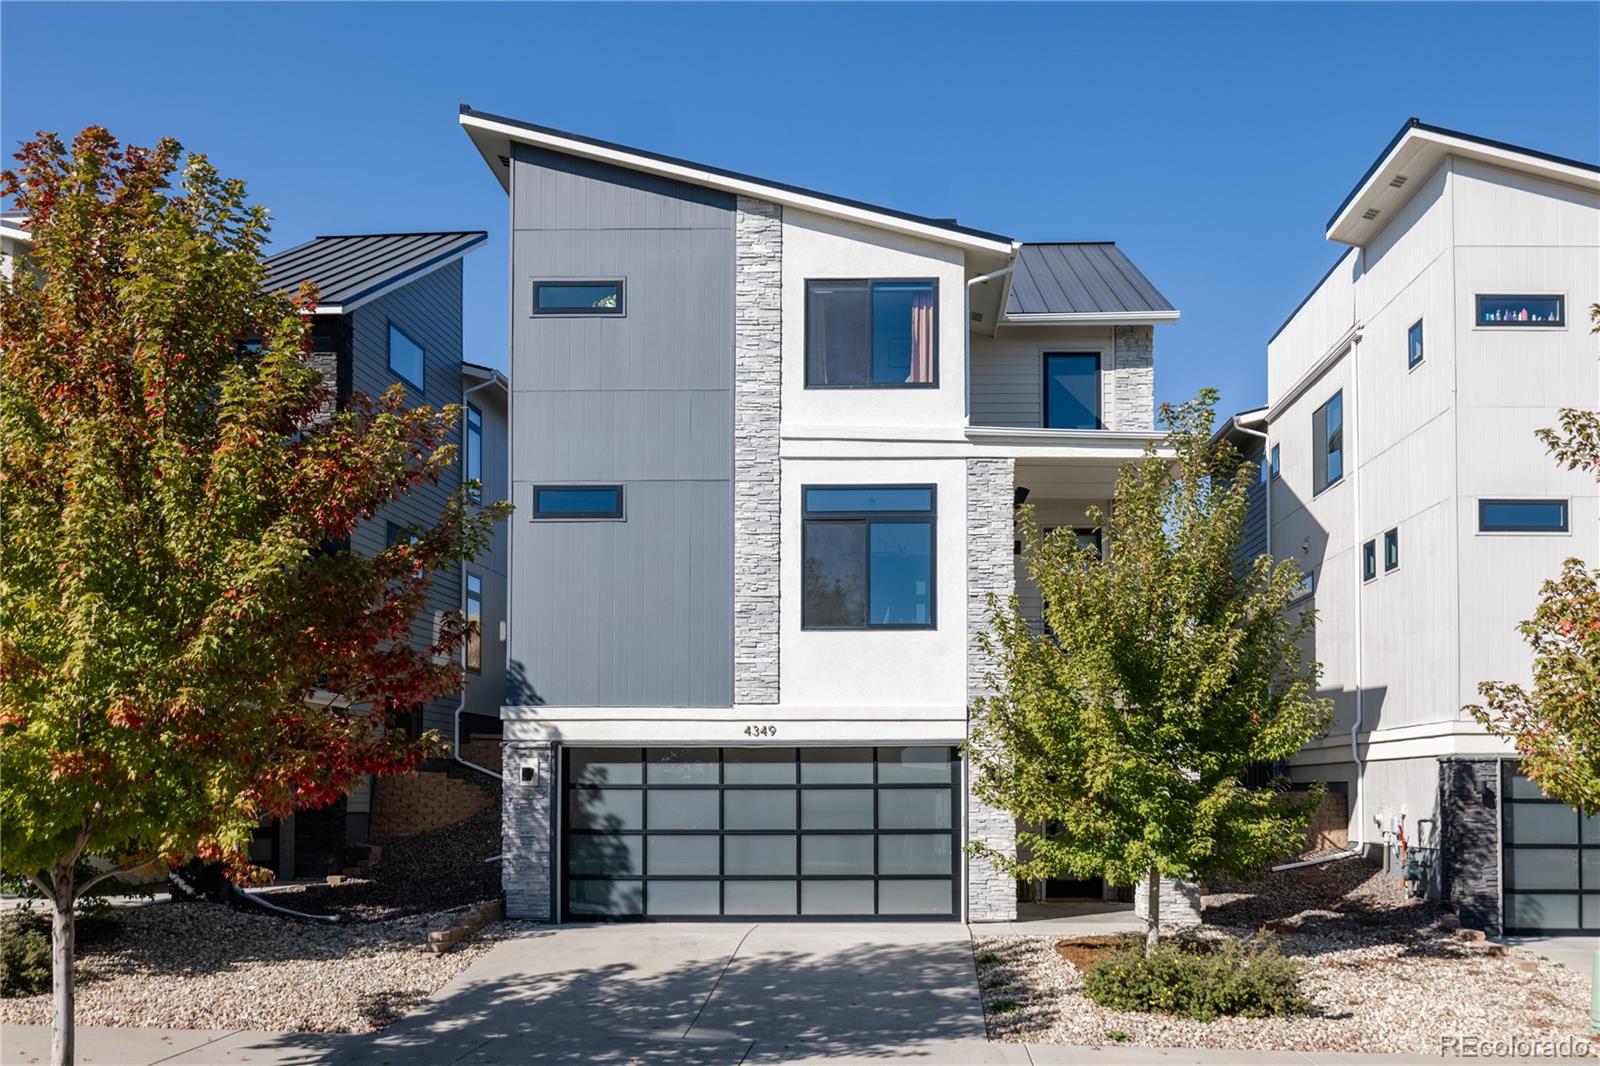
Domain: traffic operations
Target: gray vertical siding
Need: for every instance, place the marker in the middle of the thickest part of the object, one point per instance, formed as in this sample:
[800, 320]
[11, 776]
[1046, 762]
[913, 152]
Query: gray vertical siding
[1253, 538]
[637, 612]
[429, 310]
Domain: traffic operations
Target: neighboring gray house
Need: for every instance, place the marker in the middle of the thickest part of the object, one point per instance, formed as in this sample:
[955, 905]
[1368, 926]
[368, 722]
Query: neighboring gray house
[389, 313]
[768, 446]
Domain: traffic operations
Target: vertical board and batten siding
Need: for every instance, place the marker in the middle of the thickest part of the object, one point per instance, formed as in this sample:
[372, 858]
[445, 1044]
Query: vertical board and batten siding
[429, 310]
[486, 689]
[640, 611]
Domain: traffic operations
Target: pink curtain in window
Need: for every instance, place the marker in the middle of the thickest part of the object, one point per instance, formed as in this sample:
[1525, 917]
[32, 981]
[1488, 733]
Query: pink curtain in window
[922, 338]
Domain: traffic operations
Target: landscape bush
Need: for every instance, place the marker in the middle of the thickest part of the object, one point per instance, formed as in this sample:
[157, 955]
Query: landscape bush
[24, 954]
[1199, 980]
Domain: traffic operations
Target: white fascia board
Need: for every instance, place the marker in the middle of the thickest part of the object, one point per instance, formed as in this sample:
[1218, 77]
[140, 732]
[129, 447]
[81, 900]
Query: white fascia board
[15, 233]
[1329, 360]
[1426, 740]
[725, 726]
[1094, 318]
[970, 442]
[725, 183]
[378, 293]
[1418, 154]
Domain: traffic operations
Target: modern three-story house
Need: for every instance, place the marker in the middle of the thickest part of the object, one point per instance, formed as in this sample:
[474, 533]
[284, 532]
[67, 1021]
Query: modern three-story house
[1405, 475]
[767, 445]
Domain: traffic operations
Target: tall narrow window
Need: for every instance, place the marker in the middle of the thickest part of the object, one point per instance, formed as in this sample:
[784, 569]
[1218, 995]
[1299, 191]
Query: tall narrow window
[1276, 465]
[862, 333]
[1072, 390]
[1414, 344]
[1327, 443]
[472, 649]
[867, 557]
[474, 453]
[1391, 550]
[405, 356]
[1369, 560]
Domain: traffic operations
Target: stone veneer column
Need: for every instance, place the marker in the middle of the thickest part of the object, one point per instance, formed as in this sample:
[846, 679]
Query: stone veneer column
[1133, 365]
[757, 365]
[1180, 901]
[991, 892]
[526, 810]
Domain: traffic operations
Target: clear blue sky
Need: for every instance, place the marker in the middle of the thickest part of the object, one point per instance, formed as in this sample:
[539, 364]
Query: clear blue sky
[1211, 142]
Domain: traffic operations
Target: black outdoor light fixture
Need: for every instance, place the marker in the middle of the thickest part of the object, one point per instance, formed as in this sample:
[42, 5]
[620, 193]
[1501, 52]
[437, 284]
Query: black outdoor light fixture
[1019, 496]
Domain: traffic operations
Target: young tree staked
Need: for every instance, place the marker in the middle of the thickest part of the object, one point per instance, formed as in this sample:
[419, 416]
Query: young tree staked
[187, 642]
[1121, 736]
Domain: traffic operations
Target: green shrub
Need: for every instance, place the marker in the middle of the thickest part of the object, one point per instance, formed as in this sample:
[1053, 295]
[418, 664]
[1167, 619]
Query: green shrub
[1247, 978]
[24, 954]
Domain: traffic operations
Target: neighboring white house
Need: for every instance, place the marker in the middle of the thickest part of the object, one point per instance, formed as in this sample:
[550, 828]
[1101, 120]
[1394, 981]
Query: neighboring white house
[1403, 396]
[767, 445]
[14, 241]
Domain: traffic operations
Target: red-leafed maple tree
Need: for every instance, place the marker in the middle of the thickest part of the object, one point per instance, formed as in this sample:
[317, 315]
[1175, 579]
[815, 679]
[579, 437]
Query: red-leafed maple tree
[187, 642]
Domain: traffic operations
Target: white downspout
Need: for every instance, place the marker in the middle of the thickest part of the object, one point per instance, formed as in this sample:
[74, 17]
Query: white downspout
[461, 598]
[966, 325]
[1352, 445]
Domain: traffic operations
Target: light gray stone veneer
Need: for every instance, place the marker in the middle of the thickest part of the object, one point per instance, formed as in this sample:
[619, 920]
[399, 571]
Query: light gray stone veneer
[1180, 901]
[525, 811]
[1133, 365]
[991, 892]
[758, 359]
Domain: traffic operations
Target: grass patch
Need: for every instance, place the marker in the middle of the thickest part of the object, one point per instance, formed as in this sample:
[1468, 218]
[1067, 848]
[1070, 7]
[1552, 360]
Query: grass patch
[1249, 979]
[996, 982]
[1005, 1006]
[988, 958]
[1118, 1036]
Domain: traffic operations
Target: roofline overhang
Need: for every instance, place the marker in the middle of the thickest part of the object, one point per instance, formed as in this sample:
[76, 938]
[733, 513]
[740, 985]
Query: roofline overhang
[486, 375]
[1094, 318]
[16, 233]
[345, 307]
[1374, 190]
[487, 131]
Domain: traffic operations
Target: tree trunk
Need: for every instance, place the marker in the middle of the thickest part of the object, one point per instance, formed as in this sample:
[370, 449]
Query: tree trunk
[1152, 929]
[62, 934]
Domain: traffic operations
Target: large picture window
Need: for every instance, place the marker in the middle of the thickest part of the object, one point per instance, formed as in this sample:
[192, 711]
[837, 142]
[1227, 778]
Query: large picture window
[1535, 311]
[405, 356]
[868, 557]
[1072, 390]
[868, 333]
[1327, 443]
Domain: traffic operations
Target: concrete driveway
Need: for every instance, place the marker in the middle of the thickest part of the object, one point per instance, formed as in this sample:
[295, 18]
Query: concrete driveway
[702, 993]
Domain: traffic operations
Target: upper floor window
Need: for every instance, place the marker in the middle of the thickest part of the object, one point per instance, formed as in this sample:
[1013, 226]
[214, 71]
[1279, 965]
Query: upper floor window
[472, 608]
[1391, 550]
[1521, 310]
[1369, 560]
[1306, 586]
[1276, 464]
[863, 334]
[567, 297]
[867, 557]
[1414, 344]
[1327, 443]
[577, 501]
[1072, 390]
[1522, 516]
[405, 356]
[474, 454]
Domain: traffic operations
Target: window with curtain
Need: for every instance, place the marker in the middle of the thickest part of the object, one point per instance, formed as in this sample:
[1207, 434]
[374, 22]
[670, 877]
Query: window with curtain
[867, 557]
[1072, 390]
[872, 334]
[1327, 442]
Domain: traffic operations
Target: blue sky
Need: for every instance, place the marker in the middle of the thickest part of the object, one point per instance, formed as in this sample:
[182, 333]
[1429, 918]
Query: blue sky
[1211, 142]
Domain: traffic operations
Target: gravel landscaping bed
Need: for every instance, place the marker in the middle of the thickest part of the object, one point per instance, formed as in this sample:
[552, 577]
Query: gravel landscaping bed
[206, 966]
[1381, 973]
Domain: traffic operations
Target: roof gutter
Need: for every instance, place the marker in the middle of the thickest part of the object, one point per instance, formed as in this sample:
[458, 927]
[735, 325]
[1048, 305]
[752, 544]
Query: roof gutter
[1093, 318]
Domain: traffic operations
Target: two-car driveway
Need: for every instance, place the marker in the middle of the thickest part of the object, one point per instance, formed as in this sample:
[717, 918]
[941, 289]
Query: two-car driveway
[702, 993]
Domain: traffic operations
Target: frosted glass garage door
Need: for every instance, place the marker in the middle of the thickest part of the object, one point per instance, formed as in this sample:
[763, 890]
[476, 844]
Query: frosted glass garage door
[1550, 865]
[771, 833]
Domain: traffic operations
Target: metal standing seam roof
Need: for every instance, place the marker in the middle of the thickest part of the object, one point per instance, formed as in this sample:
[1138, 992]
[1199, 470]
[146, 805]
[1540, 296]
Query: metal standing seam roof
[1080, 279]
[350, 268]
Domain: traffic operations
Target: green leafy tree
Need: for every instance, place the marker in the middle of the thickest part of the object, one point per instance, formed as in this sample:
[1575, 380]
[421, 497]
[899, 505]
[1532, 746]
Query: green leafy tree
[1120, 739]
[1555, 725]
[187, 644]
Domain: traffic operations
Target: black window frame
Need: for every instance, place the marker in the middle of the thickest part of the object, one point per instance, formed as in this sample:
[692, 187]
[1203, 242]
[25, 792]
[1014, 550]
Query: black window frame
[1478, 321]
[388, 351]
[870, 283]
[1305, 588]
[474, 639]
[1391, 550]
[1369, 561]
[1509, 804]
[1099, 386]
[1275, 463]
[472, 449]
[619, 514]
[1515, 527]
[619, 311]
[868, 518]
[569, 785]
[1414, 346]
[1322, 449]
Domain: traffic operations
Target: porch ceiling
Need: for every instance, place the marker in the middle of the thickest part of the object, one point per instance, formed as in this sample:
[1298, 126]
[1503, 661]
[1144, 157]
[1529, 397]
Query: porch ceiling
[1068, 479]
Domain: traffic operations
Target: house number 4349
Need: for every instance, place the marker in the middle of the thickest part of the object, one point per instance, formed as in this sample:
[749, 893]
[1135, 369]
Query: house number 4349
[754, 730]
